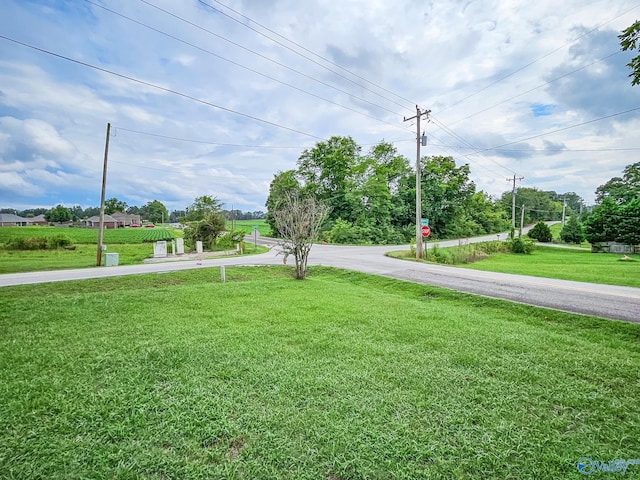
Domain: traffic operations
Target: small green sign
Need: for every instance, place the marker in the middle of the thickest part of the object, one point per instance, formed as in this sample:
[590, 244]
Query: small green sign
[425, 221]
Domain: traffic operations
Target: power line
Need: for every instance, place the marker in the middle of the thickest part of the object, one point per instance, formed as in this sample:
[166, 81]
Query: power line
[234, 145]
[559, 130]
[158, 87]
[306, 50]
[310, 77]
[458, 137]
[239, 64]
[535, 88]
[537, 59]
[204, 142]
[547, 149]
[175, 170]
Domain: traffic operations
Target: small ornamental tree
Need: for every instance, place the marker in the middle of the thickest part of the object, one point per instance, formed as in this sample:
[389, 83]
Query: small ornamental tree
[572, 231]
[207, 231]
[299, 221]
[541, 232]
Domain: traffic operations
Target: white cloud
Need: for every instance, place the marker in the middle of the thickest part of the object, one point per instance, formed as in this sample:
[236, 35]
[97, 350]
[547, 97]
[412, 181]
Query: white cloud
[454, 58]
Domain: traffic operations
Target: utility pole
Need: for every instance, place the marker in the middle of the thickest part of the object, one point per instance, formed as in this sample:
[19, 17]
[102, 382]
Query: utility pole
[104, 184]
[513, 202]
[419, 141]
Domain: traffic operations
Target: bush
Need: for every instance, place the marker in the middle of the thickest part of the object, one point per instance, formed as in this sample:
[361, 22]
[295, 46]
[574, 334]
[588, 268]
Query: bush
[520, 245]
[464, 253]
[572, 231]
[541, 232]
[229, 240]
[344, 233]
[38, 243]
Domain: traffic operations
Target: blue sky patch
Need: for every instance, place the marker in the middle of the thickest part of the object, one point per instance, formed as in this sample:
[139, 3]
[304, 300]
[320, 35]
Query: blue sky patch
[542, 110]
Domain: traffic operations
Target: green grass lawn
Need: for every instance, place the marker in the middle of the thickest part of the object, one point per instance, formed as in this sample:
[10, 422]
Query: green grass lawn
[85, 240]
[555, 232]
[90, 235]
[247, 225]
[17, 261]
[566, 264]
[341, 376]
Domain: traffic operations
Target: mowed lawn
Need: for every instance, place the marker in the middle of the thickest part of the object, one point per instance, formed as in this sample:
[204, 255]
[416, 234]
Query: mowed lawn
[132, 245]
[264, 229]
[340, 376]
[567, 264]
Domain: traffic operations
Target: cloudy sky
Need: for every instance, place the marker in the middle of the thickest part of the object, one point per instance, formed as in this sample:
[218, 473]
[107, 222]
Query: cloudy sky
[214, 98]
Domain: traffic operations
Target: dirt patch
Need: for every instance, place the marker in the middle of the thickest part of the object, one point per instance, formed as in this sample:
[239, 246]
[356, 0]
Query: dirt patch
[235, 448]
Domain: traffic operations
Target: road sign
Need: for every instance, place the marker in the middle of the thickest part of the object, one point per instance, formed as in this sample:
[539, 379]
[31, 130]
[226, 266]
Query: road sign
[426, 230]
[424, 221]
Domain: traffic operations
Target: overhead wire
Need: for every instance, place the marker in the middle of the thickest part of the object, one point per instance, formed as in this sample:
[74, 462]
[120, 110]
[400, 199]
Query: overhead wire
[534, 88]
[538, 59]
[299, 46]
[158, 87]
[116, 128]
[175, 170]
[304, 56]
[239, 65]
[203, 142]
[459, 138]
[558, 130]
[310, 77]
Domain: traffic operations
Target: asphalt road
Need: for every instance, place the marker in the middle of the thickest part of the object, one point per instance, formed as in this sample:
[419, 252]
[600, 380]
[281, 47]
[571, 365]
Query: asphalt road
[606, 301]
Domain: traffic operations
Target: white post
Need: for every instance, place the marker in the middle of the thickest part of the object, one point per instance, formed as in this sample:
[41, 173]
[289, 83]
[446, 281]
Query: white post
[222, 274]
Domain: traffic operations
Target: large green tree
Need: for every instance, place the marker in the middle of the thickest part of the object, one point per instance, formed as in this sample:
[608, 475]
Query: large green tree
[446, 188]
[629, 41]
[616, 217]
[112, 205]
[154, 211]
[201, 208]
[621, 189]
[372, 195]
[538, 205]
[58, 214]
[327, 173]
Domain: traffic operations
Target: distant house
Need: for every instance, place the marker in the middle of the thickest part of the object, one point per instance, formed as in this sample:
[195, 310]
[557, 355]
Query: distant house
[109, 222]
[38, 220]
[125, 219]
[11, 220]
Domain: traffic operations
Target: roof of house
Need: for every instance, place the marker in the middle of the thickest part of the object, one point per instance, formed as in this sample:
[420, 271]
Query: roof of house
[38, 218]
[96, 218]
[125, 216]
[12, 218]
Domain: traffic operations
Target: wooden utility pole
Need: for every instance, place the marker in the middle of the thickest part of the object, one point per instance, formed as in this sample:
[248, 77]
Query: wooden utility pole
[513, 203]
[417, 117]
[104, 184]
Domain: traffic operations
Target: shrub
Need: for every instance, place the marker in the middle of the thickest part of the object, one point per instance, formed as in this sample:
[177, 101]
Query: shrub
[464, 253]
[520, 245]
[38, 243]
[572, 231]
[229, 240]
[541, 232]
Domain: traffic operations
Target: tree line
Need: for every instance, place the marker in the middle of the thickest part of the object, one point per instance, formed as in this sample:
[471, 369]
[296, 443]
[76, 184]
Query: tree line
[371, 195]
[153, 211]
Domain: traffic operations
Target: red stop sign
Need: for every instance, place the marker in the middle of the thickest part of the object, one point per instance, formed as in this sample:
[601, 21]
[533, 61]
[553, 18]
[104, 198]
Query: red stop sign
[426, 231]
